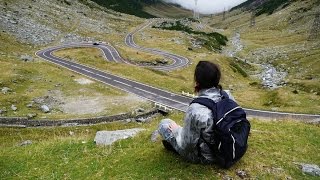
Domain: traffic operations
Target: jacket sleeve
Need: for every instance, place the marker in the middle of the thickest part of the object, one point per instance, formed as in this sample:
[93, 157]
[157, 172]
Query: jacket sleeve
[195, 121]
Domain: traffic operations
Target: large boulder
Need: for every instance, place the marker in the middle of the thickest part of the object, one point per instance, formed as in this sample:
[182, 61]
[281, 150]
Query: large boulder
[109, 137]
[311, 169]
[45, 108]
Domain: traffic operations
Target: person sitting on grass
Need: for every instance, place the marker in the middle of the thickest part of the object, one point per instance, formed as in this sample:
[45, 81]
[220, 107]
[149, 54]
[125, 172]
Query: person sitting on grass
[189, 141]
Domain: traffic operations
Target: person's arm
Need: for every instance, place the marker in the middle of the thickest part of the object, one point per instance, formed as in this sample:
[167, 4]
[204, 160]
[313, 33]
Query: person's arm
[195, 120]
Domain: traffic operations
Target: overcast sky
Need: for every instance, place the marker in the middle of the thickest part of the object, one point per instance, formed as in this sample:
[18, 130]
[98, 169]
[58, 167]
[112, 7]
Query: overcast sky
[207, 6]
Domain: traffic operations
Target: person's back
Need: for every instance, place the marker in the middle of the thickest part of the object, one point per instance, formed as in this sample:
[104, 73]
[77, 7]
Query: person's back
[198, 120]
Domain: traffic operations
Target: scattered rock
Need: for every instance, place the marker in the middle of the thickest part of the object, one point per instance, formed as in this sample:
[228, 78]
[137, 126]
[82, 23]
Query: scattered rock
[58, 85]
[84, 81]
[5, 90]
[70, 124]
[141, 120]
[29, 105]
[25, 143]
[26, 58]
[271, 77]
[140, 110]
[154, 136]
[109, 137]
[71, 133]
[13, 107]
[227, 177]
[314, 121]
[31, 115]
[310, 169]
[3, 110]
[45, 108]
[242, 174]
[237, 46]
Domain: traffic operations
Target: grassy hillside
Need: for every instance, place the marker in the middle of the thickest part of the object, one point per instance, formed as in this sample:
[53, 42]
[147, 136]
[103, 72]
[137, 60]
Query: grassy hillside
[167, 10]
[282, 40]
[263, 6]
[145, 8]
[274, 148]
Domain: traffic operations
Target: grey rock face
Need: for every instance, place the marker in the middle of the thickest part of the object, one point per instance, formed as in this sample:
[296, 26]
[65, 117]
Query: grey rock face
[45, 108]
[109, 137]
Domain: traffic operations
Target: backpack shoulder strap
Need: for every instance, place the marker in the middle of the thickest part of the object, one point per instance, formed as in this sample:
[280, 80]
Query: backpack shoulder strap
[224, 94]
[209, 103]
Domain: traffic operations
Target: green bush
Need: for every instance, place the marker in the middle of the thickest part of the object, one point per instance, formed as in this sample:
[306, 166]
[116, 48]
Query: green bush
[236, 68]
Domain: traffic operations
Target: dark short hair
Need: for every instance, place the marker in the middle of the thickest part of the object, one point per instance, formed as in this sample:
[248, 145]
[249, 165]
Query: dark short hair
[207, 75]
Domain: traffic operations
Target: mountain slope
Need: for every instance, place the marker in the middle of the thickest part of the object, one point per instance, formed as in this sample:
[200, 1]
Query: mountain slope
[288, 40]
[145, 8]
[161, 9]
[133, 7]
[263, 6]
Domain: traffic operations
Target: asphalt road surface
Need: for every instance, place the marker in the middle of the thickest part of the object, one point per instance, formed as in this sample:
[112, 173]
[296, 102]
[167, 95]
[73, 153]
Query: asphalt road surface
[163, 97]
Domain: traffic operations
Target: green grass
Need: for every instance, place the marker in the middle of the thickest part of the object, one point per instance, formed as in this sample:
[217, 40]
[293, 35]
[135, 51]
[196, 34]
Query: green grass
[273, 149]
[285, 32]
[236, 68]
[213, 41]
[30, 80]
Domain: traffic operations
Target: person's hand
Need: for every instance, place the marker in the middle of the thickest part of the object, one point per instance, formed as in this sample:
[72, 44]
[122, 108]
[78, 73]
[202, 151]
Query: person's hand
[173, 126]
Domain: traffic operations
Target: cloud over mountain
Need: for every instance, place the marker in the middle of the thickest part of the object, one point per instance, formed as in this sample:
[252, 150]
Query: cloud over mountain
[207, 6]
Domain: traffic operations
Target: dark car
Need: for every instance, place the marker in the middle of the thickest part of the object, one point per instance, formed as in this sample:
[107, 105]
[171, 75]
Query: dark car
[96, 44]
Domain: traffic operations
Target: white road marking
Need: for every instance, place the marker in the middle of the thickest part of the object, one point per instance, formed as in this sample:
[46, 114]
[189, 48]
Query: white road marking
[182, 62]
[103, 76]
[122, 83]
[145, 91]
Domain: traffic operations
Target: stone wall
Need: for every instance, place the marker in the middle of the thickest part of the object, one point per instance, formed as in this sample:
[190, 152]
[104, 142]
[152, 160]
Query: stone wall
[22, 121]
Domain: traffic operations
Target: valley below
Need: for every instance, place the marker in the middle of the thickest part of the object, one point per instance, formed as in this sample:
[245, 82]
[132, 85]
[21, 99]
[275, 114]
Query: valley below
[88, 59]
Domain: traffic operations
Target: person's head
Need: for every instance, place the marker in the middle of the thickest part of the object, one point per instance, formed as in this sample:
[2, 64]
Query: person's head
[206, 75]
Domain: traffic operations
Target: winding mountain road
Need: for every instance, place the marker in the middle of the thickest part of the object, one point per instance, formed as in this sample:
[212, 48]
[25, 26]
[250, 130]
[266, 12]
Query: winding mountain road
[153, 94]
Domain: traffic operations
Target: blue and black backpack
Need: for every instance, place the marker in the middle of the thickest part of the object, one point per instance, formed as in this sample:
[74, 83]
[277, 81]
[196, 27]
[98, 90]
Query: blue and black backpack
[229, 134]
